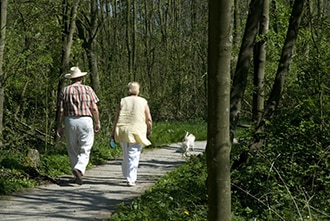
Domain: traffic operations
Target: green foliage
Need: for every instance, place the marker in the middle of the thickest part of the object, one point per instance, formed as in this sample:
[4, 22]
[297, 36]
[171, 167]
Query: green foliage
[55, 165]
[289, 177]
[167, 132]
[13, 176]
[12, 181]
[55, 162]
[101, 151]
[179, 195]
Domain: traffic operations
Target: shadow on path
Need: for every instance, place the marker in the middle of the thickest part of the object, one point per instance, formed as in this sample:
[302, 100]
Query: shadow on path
[103, 189]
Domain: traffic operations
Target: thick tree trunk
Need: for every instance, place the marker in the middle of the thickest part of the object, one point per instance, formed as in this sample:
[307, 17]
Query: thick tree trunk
[218, 140]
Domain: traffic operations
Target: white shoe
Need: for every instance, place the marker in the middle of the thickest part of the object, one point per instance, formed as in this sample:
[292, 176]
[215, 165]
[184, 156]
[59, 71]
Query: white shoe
[130, 183]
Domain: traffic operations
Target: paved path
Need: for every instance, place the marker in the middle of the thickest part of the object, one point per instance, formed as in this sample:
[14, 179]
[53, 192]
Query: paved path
[96, 199]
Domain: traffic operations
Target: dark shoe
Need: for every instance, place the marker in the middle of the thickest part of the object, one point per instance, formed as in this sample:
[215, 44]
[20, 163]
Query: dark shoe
[78, 176]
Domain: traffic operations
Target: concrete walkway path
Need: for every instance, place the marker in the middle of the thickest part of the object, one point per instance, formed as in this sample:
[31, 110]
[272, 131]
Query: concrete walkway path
[97, 198]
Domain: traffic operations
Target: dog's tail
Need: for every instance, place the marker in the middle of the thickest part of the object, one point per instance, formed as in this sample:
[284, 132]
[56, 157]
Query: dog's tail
[185, 137]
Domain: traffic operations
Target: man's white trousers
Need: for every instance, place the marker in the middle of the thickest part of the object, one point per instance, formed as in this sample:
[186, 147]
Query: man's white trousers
[79, 134]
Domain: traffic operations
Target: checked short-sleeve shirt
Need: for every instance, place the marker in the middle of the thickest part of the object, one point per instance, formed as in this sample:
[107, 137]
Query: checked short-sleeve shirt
[77, 99]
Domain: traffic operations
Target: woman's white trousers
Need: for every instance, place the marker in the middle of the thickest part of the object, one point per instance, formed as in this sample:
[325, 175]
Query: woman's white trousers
[131, 158]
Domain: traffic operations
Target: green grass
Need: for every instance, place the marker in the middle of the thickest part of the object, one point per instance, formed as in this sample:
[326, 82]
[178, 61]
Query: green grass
[173, 132]
[262, 194]
[15, 165]
[272, 186]
[179, 195]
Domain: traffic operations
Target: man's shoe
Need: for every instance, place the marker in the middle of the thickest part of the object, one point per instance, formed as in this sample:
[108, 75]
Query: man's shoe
[78, 176]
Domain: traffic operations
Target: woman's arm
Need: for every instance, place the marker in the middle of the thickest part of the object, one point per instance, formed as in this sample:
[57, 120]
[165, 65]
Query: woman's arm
[148, 120]
[115, 122]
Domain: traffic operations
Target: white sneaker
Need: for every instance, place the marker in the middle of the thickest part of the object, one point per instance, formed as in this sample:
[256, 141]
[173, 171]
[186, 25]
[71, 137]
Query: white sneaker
[130, 183]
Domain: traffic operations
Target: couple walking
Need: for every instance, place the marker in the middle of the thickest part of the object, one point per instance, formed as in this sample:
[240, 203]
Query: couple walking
[131, 127]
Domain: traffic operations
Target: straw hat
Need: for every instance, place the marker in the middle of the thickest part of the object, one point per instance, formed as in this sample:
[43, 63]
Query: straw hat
[75, 73]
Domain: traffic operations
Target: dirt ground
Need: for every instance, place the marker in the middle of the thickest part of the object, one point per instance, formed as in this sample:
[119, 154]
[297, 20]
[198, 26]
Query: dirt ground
[103, 189]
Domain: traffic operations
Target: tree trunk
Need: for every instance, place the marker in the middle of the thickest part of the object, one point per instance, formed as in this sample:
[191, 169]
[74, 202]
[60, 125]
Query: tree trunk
[68, 30]
[3, 24]
[237, 24]
[134, 27]
[218, 140]
[129, 40]
[149, 51]
[284, 64]
[243, 63]
[259, 65]
[88, 29]
[277, 89]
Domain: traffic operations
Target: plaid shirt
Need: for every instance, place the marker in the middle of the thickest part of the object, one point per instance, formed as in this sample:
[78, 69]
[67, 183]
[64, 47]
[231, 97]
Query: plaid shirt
[77, 99]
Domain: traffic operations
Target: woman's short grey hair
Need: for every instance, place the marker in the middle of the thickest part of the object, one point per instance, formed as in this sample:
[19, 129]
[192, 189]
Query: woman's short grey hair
[133, 88]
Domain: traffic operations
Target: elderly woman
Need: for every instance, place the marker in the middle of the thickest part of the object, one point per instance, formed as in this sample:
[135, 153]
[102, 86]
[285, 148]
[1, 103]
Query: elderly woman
[131, 128]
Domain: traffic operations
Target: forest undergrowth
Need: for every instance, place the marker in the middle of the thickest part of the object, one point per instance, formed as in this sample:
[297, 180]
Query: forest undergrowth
[287, 179]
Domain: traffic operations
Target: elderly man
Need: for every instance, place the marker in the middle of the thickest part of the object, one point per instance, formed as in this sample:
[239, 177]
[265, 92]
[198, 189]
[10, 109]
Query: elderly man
[77, 107]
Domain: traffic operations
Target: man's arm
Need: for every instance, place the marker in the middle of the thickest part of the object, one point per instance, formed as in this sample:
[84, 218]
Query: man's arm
[96, 116]
[59, 132]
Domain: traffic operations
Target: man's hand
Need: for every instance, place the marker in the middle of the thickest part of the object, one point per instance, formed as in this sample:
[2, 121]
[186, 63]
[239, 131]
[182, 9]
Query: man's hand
[59, 132]
[97, 127]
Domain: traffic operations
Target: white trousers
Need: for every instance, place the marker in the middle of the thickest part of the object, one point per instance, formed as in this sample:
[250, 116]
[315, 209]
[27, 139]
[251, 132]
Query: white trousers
[79, 135]
[131, 158]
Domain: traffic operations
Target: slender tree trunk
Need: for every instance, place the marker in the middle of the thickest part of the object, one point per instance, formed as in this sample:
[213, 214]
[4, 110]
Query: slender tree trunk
[128, 39]
[218, 140]
[88, 29]
[149, 52]
[93, 31]
[19, 106]
[237, 24]
[134, 40]
[284, 64]
[259, 65]
[278, 86]
[3, 24]
[69, 25]
[243, 63]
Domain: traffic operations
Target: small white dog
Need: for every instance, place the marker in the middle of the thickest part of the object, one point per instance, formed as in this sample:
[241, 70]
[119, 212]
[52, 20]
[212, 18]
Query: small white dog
[188, 142]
